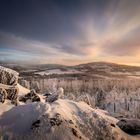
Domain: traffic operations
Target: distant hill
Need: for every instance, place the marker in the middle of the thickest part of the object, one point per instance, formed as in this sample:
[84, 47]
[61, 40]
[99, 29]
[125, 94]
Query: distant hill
[89, 70]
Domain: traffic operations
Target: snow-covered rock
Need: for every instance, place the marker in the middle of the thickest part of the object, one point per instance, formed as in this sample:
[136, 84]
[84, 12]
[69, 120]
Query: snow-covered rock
[61, 120]
[59, 94]
[32, 96]
[8, 84]
[130, 126]
[8, 76]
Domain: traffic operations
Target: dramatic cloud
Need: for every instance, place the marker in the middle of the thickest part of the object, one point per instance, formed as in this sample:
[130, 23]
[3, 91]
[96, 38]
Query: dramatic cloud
[70, 32]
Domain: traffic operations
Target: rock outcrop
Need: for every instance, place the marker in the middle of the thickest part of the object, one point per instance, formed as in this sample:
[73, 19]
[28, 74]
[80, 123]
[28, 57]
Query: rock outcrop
[32, 96]
[8, 85]
[59, 94]
[8, 76]
[61, 120]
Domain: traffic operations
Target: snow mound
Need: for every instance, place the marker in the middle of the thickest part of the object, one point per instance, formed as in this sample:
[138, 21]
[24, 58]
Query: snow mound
[61, 120]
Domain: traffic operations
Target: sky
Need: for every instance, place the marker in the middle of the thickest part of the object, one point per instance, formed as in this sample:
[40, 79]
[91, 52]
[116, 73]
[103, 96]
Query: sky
[70, 32]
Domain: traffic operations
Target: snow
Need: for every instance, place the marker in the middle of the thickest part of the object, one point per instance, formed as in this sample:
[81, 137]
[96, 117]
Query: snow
[5, 107]
[137, 73]
[19, 119]
[58, 71]
[133, 77]
[130, 75]
[9, 71]
[5, 86]
[22, 90]
[42, 98]
[121, 73]
[16, 122]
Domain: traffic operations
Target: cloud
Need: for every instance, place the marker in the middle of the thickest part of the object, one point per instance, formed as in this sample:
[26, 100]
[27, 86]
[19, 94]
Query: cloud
[124, 45]
[15, 48]
[80, 30]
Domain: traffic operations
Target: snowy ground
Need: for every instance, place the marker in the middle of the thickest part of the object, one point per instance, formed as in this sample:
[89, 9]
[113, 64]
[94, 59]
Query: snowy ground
[62, 120]
[55, 119]
[58, 71]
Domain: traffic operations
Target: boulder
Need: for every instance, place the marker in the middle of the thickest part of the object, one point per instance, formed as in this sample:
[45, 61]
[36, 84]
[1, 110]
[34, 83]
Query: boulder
[130, 126]
[8, 76]
[31, 96]
[53, 97]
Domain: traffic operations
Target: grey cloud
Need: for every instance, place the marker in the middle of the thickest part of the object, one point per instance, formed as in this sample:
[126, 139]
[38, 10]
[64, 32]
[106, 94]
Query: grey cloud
[12, 42]
[31, 48]
[77, 49]
[52, 28]
[127, 45]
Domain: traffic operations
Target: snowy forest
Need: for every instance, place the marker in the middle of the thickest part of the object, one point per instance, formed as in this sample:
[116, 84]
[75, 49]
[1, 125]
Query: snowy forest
[44, 100]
